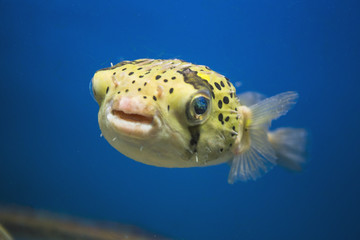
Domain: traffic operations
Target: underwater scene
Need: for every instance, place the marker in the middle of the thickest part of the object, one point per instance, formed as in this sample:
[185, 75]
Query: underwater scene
[181, 120]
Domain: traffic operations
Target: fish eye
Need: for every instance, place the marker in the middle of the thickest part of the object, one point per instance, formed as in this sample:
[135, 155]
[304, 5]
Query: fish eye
[200, 105]
[198, 109]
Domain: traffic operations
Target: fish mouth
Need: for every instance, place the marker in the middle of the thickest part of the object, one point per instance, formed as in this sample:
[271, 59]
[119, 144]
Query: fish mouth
[135, 118]
[132, 117]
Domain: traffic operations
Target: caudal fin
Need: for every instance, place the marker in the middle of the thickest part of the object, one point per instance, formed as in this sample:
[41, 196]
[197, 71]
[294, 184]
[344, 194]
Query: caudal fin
[290, 147]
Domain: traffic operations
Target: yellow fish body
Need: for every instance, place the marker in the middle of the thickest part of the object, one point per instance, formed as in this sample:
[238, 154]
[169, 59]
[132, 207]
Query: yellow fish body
[171, 113]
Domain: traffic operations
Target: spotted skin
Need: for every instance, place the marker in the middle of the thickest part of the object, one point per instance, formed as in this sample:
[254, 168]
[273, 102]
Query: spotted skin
[171, 113]
[168, 86]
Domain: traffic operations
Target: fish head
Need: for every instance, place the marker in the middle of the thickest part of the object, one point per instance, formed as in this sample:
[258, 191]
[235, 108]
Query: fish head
[160, 113]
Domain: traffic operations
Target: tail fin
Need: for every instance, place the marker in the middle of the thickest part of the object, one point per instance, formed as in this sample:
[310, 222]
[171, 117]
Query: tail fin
[289, 145]
[254, 154]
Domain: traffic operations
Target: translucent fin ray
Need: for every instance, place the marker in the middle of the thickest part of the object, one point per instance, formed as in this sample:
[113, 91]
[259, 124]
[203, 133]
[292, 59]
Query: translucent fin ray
[290, 147]
[272, 108]
[250, 98]
[260, 156]
[254, 162]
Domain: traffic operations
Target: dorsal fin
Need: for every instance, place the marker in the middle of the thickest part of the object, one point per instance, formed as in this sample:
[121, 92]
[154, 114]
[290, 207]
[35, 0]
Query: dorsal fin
[250, 98]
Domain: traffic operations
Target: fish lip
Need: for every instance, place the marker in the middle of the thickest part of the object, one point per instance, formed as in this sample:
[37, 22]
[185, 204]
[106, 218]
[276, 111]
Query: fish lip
[130, 123]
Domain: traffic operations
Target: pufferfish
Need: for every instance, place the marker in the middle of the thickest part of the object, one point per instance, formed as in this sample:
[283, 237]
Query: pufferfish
[175, 114]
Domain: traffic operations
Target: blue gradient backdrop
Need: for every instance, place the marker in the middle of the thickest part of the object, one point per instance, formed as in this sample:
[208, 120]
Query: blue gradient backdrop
[52, 156]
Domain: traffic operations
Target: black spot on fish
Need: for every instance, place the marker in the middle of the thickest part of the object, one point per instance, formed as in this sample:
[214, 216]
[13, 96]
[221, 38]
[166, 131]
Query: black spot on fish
[171, 90]
[212, 88]
[217, 86]
[168, 108]
[141, 76]
[227, 119]
[118, 92]
[145, 97]
[123, 69]
[233, 134]
[133, 82]
[226, 100]
[107, 89]
[220, 117]
[139, 68]
[165, 80]
[157, 77]
[126, 90]
[213, 94]
[231, 95]
[145, 83]
[154, 98]
[220, 104]
[139, 89]
[228, 81]
[114, 73]
[131, 73]
[173, 78]
[222, 84]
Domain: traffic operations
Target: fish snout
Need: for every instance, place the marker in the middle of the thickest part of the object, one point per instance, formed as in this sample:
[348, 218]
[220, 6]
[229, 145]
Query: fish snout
[134, 108]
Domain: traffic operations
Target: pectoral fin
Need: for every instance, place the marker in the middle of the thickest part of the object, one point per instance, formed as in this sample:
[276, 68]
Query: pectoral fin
[255, 154]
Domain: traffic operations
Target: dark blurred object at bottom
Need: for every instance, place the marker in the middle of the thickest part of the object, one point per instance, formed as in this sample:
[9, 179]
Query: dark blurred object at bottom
[26, 223]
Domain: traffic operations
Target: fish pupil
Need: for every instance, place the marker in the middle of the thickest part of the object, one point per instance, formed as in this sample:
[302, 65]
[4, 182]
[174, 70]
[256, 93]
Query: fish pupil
[200, 105]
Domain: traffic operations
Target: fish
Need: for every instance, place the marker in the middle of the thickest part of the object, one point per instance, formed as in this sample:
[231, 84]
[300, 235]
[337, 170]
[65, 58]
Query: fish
[175, 114]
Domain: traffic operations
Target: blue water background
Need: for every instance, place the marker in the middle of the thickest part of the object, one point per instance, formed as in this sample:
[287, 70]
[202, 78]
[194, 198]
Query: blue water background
[52, 156]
